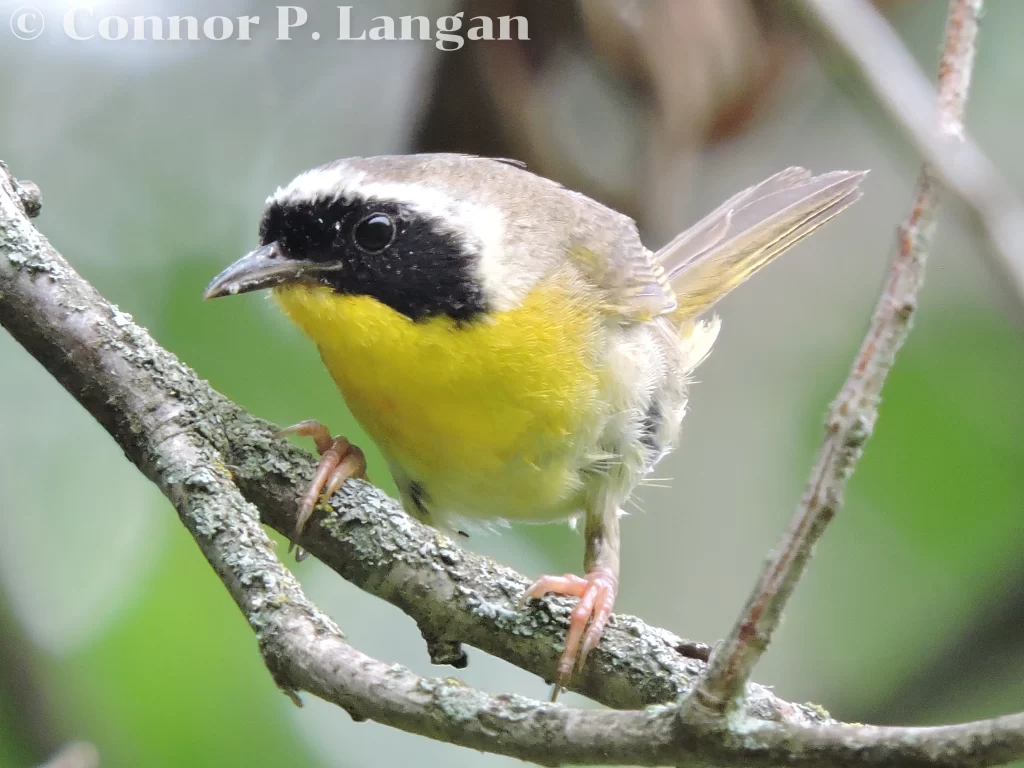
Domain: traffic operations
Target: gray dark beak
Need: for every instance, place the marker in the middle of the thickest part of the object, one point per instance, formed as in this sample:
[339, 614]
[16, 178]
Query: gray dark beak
[262, 268]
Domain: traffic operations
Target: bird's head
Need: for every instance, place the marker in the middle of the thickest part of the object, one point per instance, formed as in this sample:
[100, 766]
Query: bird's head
[421, 234]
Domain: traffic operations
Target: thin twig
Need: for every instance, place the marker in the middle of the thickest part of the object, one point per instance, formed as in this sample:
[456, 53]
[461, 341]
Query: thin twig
[199, 449]
[859, 31]
[852, 416]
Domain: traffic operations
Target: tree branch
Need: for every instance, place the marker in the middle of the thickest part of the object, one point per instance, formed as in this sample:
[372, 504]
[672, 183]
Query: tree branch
[861, 33]
[852, 416]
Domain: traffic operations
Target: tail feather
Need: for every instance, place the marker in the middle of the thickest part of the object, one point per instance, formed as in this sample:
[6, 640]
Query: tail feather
[749, 231]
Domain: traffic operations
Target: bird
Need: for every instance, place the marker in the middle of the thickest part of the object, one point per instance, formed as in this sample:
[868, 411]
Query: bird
[511, 346]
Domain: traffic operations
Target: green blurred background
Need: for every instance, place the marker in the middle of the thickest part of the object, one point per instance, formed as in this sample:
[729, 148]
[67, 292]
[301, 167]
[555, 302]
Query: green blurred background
[154, 160]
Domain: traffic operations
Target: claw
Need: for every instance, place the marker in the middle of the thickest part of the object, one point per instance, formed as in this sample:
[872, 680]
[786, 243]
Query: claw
[339, 460]
[310, 428]
[352, 464]
[596, 592]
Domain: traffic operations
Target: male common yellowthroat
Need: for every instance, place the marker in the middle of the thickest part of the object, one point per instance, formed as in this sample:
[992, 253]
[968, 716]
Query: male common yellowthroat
[511, 346]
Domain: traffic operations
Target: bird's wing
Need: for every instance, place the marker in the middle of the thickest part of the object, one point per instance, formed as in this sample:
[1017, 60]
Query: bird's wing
[632, 282]
[748, 231]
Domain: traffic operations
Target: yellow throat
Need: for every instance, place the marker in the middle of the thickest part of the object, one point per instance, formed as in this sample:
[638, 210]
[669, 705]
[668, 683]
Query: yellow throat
[492, 416]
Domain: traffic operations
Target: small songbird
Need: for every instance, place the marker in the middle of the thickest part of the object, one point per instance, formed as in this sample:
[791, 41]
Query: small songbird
[511, 346]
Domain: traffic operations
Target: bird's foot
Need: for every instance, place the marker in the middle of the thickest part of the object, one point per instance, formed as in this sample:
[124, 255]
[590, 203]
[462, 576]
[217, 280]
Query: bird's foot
[339, 460]
[596, 592]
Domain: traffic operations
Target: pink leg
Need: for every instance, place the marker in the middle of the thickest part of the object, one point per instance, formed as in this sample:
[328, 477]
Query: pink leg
[596, 591]
[339, 460]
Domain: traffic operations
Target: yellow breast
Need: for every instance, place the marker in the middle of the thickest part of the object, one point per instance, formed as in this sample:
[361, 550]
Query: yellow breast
[492, 417]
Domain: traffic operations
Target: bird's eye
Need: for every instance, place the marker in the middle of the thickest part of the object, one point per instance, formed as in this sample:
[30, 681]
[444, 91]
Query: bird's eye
[374, 233]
